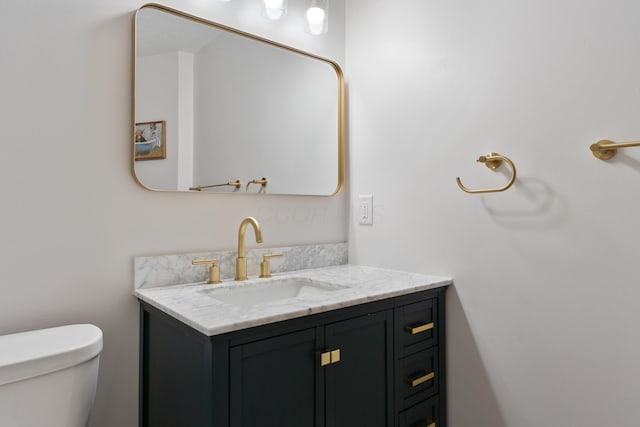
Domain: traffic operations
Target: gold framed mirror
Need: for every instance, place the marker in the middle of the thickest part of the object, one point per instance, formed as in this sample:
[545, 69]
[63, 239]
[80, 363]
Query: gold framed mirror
[240, 114]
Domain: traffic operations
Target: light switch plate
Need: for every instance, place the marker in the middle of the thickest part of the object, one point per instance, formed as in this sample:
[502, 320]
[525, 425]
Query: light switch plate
[365, 209]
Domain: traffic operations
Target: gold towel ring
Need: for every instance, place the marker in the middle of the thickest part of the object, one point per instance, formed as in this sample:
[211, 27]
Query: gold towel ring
[492, 161]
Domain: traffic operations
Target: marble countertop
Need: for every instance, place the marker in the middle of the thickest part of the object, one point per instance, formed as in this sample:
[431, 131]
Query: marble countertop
[352, 285]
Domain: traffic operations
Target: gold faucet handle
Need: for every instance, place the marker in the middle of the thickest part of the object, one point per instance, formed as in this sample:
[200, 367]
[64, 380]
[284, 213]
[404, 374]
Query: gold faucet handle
[214, 271]
[264, 265]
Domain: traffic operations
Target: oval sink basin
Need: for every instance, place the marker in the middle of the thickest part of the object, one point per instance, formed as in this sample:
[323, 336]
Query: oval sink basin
[268, 291]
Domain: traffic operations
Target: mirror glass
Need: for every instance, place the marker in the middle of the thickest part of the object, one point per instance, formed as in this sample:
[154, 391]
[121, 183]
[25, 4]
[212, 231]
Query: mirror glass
[220, 110]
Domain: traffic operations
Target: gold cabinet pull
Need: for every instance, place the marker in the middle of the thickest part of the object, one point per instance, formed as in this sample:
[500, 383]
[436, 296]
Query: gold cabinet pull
[329, 357]
[420, 328]
[421, 379]
[325, 358]
[432, 424]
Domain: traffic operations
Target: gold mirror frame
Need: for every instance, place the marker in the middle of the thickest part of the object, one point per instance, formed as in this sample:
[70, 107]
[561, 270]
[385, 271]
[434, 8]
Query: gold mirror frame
[333, 64]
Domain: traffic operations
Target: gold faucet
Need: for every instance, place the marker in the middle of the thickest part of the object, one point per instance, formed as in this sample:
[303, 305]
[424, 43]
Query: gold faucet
[241, 261]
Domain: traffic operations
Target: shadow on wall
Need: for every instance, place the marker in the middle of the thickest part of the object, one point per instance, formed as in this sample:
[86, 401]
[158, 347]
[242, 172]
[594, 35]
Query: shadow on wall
[470, 397]
[538, 206]
[622, 158]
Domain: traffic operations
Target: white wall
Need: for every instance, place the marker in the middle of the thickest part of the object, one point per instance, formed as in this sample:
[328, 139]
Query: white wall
[164, 91]
[157, 95]
[72, 217]
[185, 106]
[542, 321]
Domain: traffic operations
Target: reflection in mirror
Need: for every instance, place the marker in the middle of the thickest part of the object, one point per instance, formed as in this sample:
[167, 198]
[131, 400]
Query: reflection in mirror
[242, 114]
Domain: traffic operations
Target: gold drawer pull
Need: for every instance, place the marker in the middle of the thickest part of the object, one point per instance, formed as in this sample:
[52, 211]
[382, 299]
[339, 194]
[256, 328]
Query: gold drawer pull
[420, 328]
[433, 424]
[421, 379]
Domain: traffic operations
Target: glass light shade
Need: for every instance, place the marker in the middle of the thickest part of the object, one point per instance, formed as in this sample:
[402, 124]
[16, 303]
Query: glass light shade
[275, 9]
[317, 16]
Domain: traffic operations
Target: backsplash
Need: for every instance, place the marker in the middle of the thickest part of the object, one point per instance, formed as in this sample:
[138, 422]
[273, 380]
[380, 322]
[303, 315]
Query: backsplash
[164, 270]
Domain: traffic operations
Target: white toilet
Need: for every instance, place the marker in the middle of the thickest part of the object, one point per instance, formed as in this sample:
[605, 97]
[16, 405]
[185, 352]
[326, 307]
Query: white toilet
[48, 377]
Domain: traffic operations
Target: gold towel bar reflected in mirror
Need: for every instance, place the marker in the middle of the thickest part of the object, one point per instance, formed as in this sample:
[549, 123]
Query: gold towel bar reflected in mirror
[605, 149]
[237, 183]
[492, 161]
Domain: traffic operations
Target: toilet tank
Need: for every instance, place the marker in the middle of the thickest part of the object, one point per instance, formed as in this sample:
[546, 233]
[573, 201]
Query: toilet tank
[48, 377]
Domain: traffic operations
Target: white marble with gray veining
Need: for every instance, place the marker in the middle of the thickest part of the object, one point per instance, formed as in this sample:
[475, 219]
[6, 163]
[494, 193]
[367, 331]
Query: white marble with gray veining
[354, 285]
[163, 270]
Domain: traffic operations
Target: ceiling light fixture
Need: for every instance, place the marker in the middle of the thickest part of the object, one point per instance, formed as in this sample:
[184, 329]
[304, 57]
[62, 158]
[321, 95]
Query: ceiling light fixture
[317, 13]
[317, 16]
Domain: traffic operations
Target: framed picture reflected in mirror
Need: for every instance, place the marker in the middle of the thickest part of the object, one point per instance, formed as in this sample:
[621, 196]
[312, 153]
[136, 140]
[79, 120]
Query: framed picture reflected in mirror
[150, 140]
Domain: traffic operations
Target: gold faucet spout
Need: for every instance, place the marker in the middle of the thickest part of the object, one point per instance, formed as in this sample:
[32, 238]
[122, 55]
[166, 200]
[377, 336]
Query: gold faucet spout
[241, 260]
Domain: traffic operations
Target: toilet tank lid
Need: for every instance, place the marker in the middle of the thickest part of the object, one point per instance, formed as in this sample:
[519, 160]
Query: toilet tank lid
[29, 354]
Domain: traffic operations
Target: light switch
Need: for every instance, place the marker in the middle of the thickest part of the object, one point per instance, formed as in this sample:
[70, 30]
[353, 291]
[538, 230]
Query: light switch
[365, 209]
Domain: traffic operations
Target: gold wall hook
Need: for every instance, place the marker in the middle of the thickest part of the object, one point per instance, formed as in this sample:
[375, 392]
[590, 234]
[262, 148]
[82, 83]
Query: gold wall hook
[605, 149]
[492, 161]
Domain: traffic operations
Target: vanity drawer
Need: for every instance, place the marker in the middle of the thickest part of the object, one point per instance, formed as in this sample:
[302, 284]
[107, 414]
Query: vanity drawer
[417, 377]
[416, 327]
[424, 414]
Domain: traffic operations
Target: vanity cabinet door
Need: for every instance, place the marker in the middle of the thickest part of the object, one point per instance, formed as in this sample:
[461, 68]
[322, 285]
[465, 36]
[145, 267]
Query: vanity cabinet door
[272, 382]
[283, 381]
[358, 387]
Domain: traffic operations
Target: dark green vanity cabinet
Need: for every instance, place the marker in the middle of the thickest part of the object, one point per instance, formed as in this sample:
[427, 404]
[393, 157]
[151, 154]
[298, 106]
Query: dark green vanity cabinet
[379, 364]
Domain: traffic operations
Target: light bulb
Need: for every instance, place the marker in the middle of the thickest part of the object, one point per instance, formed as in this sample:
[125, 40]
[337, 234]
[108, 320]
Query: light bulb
[274, 9]
[316, 17]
